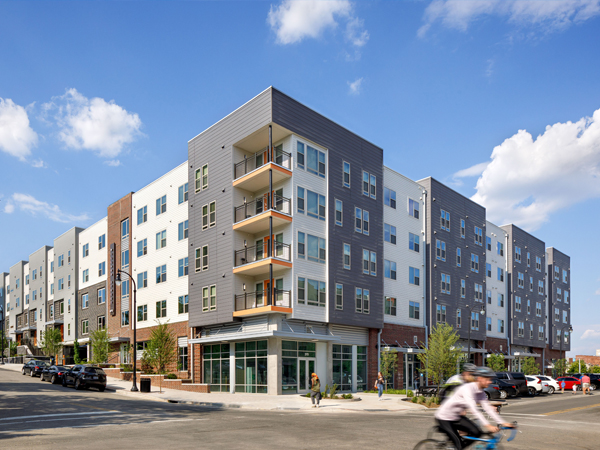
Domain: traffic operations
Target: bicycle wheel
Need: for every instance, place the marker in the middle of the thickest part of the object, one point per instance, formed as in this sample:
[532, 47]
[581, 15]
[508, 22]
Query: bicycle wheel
[431, 444]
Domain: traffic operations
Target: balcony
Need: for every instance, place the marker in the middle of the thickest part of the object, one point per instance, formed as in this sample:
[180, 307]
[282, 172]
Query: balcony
[254, 303]
[253, 261]
[252, 174]
[253, 217]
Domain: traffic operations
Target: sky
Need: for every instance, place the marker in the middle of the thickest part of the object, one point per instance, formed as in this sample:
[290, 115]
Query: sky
[498, 99]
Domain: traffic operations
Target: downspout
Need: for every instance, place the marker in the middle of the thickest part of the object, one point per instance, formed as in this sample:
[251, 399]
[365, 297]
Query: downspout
[271, 299]
[425, 267]
[508, 304]
[379, 350]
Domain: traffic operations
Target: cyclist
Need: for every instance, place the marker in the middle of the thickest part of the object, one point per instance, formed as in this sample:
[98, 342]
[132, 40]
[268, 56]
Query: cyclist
[451, 416]
[457, 380]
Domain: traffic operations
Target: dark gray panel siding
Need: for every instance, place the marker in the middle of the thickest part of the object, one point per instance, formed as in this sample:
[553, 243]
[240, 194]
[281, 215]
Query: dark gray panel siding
[557, 258]
[37, 260]
[93, 311]
[214, 147]
[441, 197]
[343, 145]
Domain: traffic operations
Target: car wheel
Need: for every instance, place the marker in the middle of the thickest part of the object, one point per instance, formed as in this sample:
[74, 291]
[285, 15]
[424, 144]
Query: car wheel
[503, 394]
[77, 385]
[41, 377]
[23, 371]
[487, 394]
[31, 373]
[551, 390]
[64, 382]
[53, 379]
[531, 392]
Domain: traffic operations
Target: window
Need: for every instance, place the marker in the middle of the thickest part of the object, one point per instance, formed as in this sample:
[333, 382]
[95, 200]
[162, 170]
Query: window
[538, 309]
[488, 241]
[101, 296]
[362, 300]
[474, 321]
[413, 208]
[520, 280]
[142, 247]
[458, 318]
[202, 258]
[444, 220]
[61, 261]
[390, 306]
[85, 252]
[198, 179]
[556, 315]
[316, 248]
[413, 310]
[445, 284]
[566, 296]
[501, 300]
[373, 263]
[301, 244]
[161, 309]
[101, 322]
[85, 301]
[478, 236]
[124, 230]
[528, 306]
[538, 264]
[52, 267]
[346, 180]
[182, 358]
[69, 281]
[366, 222]
[366, 189]
[413, 276]
[528, 259]
[161, 205]
[142, 313]
[142, 280]
[500, 248]
[339, 296]
[101, 245]
[530, 284]
[86, 275]
[125, 290]
[541, 287]
[51, 290]
[474, 263]
[463, 288]
[338, 213]
[517, 303]
[366, 262]
[347, 256]
[413, 242]
[209, 295]
[183, 194]
[565, 313]
[530, 331]
[478, 293]
[125, 258]
[500, 274]
[440, 250]
[315, 292]
[142, 215]
[182, 229]
[373, 186]
[301, 290]
[205, 176]
[389, 233]
[540, 332]
[315, 204]
[61, 284]
[69, 252]
[183, 267]
[389, 268]
[489, 324]
[458, 257]
[300, 155]
[518, 254]
[183, 304]
[124, 318]
[85, 326]
[212, 208]
[489, 297]
[161, 239]
[161, 274]
[315, 163]
[389, 197]
[300, 200]
[441, 313]
[520, 329]
[488, 270]
[556, 273]
[462, 228]
[102, 268]
[500, 326]
[565, 278]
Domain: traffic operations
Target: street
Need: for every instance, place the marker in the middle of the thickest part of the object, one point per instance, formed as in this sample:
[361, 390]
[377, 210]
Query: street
[33, 413]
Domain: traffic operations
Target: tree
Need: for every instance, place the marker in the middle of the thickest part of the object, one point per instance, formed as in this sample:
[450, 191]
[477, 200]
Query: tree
[575, 366]
[99, 341]
[560, 366]
[160, 349]
[13, 348]
[51, 342]
[440, 359]
[496, 363]
[76, 357]
[389, 360]
[594, 369]
[529, 367]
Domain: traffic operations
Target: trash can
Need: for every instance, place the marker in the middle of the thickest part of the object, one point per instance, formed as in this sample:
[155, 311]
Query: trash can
[145, 384]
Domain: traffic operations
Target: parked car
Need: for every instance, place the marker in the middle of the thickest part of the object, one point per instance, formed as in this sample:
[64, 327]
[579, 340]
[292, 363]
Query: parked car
[492, 392]
[33, 368]
[54, 374]
[594, 381]
[505, 389]
[85, 376]
[515, 378]
[569, 382]
[536, 386]
[553, 385]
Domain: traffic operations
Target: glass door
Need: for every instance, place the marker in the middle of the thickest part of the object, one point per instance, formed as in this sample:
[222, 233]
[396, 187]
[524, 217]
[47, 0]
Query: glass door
[305, 368]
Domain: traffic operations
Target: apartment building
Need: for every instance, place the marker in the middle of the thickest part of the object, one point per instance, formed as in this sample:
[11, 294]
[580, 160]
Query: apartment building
[558, 314]
[294, 282]
[456, 264]
[16, 300]
[36, 281]
[91, 289]
[4, 277]
[496, 292]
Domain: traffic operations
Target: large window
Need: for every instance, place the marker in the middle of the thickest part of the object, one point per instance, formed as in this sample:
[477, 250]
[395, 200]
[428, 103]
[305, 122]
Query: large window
[339, 212]
[182, 357]
[312, 291]
[183, 267]
[182, 229]
[294, 373]
[142, 247]
[413, 208]
[342, 367]
[413, 276]
[362, 300]
[142, 280]
[161, 274]
[315, 161]
[413, 242]
[389, 233]
[161, 309]
[183, 304]
[161, 205]
[389, 268]
[390, 306]
[216, 367]
[346, 182]
[315, 205]
[369, 185]
[251, 367]
[389, 197]
[183, 193]
[142, 215]
[161, 239]
[316, 248]
[413, 310]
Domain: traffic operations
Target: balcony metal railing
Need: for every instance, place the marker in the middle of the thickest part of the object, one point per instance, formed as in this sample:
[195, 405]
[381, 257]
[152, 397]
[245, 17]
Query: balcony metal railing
[260, 205]
[259, 159]
[262, 251]
[251, 300]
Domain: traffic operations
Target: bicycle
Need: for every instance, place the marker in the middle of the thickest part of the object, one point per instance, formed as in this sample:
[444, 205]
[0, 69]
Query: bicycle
[482, 443]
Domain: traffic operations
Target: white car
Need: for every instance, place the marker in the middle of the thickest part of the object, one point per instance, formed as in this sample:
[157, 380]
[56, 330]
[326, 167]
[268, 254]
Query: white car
[536, 386]
[552, 383]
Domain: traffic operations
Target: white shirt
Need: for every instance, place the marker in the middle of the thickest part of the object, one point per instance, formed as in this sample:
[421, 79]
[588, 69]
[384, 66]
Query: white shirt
[465, 398]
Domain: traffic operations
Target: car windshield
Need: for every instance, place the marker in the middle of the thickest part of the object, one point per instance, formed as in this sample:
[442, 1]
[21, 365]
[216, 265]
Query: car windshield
[61, 368]
[94, 370]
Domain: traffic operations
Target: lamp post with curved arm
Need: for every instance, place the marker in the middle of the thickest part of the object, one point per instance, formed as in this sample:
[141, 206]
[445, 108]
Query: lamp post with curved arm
[482, 312]
[133, 317]
[562, 333]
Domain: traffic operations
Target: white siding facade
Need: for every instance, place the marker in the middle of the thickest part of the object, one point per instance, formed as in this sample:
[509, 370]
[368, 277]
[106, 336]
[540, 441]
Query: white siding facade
[497, 304]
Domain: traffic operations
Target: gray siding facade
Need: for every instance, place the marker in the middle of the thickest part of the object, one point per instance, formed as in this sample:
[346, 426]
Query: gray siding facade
[3, 300]
[558, 259]
[17, 272]
[38, 261]
[93, 310]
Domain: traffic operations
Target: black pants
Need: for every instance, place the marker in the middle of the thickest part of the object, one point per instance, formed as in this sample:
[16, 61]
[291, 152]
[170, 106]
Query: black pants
[451, 428]
[315, 395]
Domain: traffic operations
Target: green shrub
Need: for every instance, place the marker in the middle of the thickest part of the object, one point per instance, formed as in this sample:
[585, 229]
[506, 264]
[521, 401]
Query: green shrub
[415, 399]
[410, 394]
[347, 396]
[333, 391]
[171, 376]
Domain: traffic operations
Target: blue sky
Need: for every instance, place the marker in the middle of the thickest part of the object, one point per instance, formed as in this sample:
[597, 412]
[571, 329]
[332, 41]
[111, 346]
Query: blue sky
[98, 99]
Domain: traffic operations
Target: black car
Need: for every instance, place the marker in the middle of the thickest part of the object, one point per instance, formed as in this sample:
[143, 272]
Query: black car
[33, 368]
[505, 389]
[83, 376]
[492, 392]
[54, 374]
[516, 379]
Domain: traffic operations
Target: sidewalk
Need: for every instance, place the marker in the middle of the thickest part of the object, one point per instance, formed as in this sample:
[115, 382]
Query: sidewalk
[367, 402]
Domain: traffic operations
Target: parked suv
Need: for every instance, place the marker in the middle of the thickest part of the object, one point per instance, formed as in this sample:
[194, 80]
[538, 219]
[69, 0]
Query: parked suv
[535, 385]
[552, 384]
[516, 378]
[34, 367]
[85, 376]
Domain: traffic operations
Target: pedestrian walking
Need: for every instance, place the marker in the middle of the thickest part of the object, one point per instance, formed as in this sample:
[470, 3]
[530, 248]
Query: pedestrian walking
[574, 388]
[379, 385]
[315, 390]
[562, 386]
[585, 384]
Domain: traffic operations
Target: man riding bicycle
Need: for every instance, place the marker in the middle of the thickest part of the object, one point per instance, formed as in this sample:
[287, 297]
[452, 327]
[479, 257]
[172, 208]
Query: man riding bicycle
[451, 416]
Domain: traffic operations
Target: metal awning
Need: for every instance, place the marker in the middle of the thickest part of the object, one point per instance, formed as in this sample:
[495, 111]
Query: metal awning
[29, 328]
[388, 348]
[55, 322]
[501, 354]
[83, 341]
[473, 350]
[526, 354]
[265, 334]
[117, 339]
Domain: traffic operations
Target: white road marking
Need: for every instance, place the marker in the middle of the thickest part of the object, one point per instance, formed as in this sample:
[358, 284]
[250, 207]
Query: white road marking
[58, 415]
[111, 424]
[518, 414]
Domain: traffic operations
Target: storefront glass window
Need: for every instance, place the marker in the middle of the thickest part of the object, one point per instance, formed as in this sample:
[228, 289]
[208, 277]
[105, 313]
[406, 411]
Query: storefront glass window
[216, 367]
[251, 367]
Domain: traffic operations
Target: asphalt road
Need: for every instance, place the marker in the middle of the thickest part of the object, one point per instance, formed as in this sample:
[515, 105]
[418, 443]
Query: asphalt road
[34, 414]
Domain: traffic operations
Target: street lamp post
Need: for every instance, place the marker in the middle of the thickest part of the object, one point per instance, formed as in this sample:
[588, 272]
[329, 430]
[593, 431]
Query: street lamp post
[133, 317]
[482, 312]
[562, 332]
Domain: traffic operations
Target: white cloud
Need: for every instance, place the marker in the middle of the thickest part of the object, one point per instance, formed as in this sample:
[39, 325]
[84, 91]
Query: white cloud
[469, 172]
[31, 205]
[548, 16]
[355, 86]
[94, 124]
[113, 163]
[590, 334]
[529, 179]
[39, 164]
[294, 20]
[16, 136]
[597, 292]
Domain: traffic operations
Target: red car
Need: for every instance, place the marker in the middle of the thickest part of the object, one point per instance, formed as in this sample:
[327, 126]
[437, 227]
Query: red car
[569, 382]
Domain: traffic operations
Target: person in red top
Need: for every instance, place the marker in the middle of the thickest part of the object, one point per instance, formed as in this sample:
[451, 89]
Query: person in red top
[585, 384]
